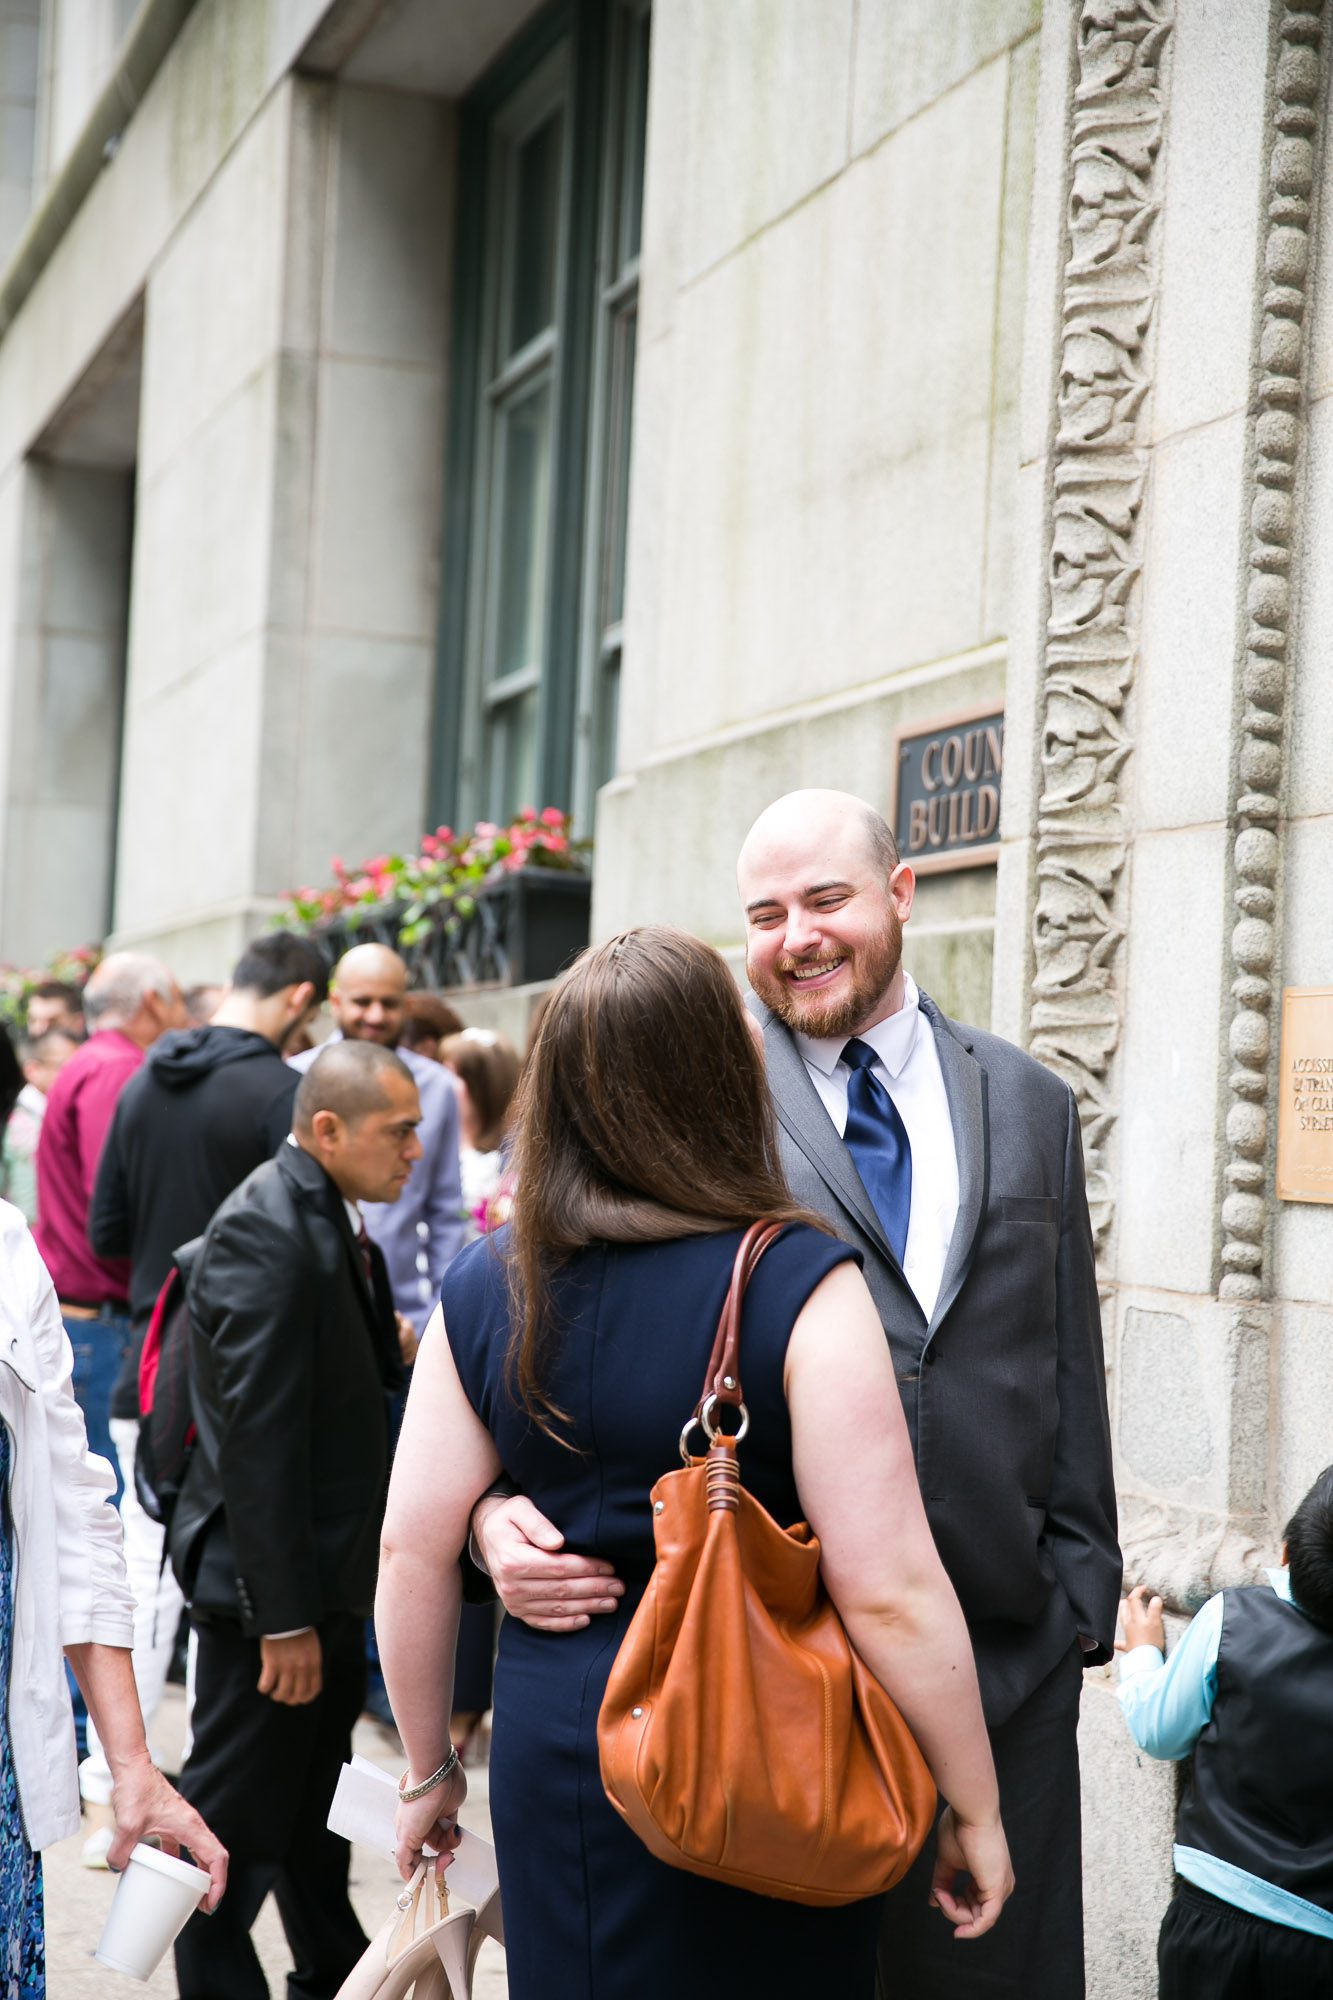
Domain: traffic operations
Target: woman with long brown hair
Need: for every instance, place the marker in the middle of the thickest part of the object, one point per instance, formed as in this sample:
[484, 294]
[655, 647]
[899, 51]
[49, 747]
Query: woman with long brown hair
[567, 1347]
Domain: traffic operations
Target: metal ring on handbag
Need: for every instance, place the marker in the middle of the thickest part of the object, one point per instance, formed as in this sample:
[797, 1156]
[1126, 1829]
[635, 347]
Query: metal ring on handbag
[687, 1457]
[711, 1430]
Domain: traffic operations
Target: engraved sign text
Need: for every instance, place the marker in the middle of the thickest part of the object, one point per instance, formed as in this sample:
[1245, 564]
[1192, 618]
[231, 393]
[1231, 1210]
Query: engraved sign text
[1305, 1095]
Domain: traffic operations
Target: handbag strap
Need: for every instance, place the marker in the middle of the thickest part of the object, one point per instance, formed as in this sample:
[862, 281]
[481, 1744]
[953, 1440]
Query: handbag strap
[722, 1381]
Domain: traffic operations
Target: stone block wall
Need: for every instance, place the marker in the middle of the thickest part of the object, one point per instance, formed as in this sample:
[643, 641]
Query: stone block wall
[1164, 866]
[288, 514]
[20, 33]
[65, 670]
[835, 235]
[79, 43]
[287, 244]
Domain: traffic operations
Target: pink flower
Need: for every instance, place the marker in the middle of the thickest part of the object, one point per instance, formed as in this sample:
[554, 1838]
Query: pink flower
[557, 843]
[444, 833]
[429, 844]
[552, 816]
[335, 864]
[485, 829]
[527, 812]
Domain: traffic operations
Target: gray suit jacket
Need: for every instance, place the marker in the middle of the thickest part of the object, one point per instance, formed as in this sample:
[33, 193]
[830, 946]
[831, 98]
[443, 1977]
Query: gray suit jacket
[1004, 1389]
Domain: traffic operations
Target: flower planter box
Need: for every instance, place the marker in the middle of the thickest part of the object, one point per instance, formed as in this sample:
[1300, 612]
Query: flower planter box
[526, 925]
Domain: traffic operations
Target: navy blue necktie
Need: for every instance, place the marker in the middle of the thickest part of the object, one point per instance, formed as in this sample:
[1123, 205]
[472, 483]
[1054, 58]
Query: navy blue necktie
[877, 1140]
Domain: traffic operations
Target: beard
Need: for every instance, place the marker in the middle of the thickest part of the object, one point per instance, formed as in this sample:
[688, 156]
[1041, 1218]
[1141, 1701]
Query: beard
[873, 966]
[384, 1035]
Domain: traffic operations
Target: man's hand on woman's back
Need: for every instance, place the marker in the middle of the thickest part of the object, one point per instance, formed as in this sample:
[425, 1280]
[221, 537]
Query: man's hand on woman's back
[533, 1580]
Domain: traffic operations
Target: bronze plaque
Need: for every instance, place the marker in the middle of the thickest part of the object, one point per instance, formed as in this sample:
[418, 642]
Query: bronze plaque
[945, 809]
[1305, 1095]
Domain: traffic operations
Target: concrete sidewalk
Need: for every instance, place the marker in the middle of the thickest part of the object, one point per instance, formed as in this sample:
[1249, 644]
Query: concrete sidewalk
[77, 1898]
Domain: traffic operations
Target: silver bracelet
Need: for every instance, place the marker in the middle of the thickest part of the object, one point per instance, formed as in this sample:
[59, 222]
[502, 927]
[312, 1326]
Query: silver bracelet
[446, 1770]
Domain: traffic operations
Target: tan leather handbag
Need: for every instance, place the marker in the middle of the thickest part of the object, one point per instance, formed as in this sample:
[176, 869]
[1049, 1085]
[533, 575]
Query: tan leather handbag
[740, 1736]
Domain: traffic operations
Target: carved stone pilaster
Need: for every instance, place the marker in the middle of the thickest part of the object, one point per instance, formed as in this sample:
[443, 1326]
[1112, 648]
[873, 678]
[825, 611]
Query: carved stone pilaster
[1278, 428]
[1100, 468]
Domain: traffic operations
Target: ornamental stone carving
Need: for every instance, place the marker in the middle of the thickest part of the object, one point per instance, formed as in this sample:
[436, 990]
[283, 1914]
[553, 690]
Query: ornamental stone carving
[1278, 426]
[1100, 467]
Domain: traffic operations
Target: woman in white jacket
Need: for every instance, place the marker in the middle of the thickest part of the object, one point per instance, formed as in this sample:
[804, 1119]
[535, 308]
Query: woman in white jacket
[62, 1590]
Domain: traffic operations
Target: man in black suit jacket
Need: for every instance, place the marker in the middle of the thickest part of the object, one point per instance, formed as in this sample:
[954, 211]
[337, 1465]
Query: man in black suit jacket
[293, 1355]
[980, 1260]
[990, 1309]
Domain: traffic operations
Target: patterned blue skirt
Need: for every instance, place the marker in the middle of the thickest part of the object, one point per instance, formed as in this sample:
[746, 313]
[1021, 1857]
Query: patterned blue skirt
[23, 1965]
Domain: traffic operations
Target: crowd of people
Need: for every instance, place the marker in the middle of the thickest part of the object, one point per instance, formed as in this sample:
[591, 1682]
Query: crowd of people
[439, 1317]
[135, 1109]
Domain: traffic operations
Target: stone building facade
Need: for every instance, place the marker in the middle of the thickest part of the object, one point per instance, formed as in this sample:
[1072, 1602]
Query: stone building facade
[408, 407]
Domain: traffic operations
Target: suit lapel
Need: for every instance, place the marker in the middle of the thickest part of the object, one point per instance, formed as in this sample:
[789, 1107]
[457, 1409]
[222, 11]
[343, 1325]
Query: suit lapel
[318, 1193]
[801, 1110]
[965, 1088]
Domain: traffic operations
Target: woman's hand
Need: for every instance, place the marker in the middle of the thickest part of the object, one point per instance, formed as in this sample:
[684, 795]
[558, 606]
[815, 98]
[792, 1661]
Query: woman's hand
[429, 1822]
[144, 1803]
[982, 1854]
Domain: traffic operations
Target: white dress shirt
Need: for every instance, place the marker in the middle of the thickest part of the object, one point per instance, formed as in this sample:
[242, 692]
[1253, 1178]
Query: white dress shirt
[908, 1066]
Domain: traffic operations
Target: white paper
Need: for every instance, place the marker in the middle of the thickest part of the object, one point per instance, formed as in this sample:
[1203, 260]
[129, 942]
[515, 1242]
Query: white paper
[363, 1810]
[364, 1805]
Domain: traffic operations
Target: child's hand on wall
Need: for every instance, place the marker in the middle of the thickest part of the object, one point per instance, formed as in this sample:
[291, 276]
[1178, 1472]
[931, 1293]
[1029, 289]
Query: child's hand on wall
[1141, 1621]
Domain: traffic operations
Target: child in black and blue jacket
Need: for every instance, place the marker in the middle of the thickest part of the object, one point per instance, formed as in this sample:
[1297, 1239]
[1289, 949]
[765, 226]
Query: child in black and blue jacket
[1249, 1690]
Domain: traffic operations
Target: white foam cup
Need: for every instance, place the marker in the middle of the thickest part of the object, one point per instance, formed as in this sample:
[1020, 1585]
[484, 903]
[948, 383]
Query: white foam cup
[153, 1901]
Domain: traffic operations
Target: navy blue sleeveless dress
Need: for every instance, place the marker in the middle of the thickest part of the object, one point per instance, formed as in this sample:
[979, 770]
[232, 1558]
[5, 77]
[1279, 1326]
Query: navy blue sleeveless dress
[589, 1913]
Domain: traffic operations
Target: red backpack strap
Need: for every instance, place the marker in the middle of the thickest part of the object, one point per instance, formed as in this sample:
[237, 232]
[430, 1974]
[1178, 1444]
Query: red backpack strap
[151, 1351]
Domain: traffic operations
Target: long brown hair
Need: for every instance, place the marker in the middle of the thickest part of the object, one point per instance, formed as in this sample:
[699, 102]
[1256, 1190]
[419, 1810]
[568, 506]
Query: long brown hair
[642, 1115]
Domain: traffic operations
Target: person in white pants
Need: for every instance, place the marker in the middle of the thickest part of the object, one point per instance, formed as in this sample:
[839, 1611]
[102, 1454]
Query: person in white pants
[157, 1609]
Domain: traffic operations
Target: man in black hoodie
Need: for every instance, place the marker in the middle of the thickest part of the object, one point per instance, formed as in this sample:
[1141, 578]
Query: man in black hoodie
[206, 1108]
[211, 1104]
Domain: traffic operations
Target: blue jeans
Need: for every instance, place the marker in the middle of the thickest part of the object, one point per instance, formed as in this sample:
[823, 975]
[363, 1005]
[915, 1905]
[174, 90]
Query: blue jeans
[98, 1345]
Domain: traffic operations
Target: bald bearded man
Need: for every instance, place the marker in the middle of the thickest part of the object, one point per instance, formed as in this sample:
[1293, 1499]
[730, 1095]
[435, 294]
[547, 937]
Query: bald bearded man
[422, 1233]
[954, 1163]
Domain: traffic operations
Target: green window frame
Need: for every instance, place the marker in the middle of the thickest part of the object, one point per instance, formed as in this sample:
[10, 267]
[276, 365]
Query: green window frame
[546, 290]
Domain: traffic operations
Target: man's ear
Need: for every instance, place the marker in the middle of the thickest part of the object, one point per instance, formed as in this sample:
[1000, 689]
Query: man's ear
[902, 888]
[325, 1127]
[300, 998]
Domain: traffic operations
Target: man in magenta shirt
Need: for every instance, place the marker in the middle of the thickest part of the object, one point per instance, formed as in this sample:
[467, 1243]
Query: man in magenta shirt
[130, 1000]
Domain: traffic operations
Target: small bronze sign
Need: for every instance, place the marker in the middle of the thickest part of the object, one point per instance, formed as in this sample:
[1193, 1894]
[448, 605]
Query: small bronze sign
[1305, 1095]
[945, 811]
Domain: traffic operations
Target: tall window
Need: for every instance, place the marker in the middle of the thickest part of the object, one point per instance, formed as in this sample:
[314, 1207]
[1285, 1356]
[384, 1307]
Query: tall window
[521, 343]
[551, 174]
[617, 330]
